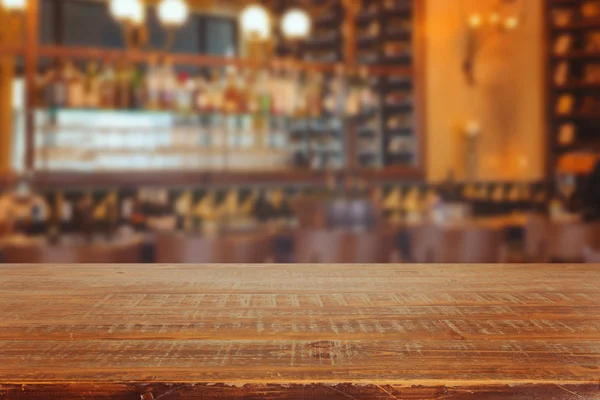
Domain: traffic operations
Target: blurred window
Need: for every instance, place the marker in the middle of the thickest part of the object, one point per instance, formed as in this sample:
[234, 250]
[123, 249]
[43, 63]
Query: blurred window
[89, 23]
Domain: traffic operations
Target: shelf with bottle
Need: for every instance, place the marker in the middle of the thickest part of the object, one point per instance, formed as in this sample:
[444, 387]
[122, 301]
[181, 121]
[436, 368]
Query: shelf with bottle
[385, 37]
[573, 29]
[246, 110]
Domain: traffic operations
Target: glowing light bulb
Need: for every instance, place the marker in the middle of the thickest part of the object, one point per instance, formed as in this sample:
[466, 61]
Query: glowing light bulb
[14, 5]
[511, 23]
[127, 11]
[255, 22]
[475, 20]
[173, 12]
[296, 24]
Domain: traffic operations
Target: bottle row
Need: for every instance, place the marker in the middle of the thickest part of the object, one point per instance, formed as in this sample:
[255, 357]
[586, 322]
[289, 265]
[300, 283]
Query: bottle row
[280, 91]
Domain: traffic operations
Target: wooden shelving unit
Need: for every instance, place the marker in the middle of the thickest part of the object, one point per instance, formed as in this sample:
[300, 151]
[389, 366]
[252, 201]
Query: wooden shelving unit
[407, 67]
[573, 82]
[388, 34]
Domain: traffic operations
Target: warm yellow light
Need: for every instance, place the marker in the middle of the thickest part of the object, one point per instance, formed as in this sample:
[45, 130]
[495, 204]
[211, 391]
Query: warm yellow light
[172, 12]
[296, 24]
[511, 23]
[255, 22]
[131, 11]
[475, 20]
[14, 5]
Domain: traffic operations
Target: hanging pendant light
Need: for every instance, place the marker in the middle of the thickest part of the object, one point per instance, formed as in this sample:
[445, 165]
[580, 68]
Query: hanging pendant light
[173, 13]
[255, 22]
[14, 5]
[296, 24]
[128, 11]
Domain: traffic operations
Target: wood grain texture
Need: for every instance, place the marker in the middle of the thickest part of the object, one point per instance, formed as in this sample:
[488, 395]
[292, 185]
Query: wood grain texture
[300, 332]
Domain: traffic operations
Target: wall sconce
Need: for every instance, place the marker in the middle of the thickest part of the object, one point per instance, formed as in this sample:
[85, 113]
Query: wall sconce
[505, 16]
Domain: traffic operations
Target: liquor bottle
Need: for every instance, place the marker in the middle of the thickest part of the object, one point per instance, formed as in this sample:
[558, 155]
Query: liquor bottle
[183, 207]
[214, 95]
[217, 92]
[57, 87]
[123, 85]
[185, 92]
[91, 86]
[201, 94]
[245, 108]
[230, 94]
[112, 215]
[153, 85]
[65, 210]
[301, 106]
[138, 90]
[276, 83]
[83, 217]
[315, 95]
[100, 217]
[41, 88]
[126, 211]
[168, 85]
[367, 96]
[107, 87]
[53, 225]
[38, 218]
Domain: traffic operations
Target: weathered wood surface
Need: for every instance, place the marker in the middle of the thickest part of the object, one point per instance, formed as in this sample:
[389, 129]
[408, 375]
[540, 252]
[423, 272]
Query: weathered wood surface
[300, 332]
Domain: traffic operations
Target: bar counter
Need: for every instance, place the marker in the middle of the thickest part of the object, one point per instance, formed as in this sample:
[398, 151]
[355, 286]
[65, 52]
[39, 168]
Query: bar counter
[300, 332]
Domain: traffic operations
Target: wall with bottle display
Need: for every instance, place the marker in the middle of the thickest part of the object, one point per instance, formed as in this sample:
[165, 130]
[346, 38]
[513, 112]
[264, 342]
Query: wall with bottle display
[101, 109]
[103, 211]
[574, 81]
[116, 116]
[386, 36]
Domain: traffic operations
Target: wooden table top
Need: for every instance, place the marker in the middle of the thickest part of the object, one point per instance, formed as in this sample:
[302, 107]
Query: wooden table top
[299, 331]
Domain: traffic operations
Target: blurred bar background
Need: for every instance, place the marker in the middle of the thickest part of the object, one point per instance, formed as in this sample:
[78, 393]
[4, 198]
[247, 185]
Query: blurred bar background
[303, 131]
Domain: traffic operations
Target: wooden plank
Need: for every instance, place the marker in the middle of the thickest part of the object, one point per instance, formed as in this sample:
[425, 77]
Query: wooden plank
[300, 332]
[201, 60]
[127, 179]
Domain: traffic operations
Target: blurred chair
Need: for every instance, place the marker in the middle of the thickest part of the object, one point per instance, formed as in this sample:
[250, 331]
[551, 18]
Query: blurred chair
[344, 247]
[310, 212]
[547, 241]
[36, 253]
[119, 253]
[351, 214]
[4, 228]
[248, 248]
[535, 237]
[456, 244]
[591, 256]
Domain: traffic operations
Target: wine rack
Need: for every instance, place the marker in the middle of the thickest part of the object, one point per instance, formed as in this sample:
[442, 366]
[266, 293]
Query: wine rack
[385, 36]
[573, 81]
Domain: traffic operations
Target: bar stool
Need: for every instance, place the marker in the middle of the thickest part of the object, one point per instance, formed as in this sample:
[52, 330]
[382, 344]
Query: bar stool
[247, 248]
[344, 247]
[40, 253]
[562, 242]
[591, 256]
[460, 243]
